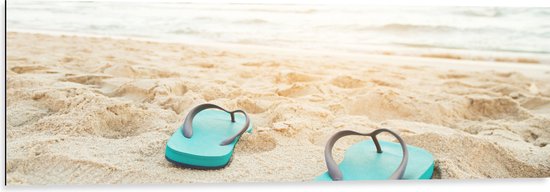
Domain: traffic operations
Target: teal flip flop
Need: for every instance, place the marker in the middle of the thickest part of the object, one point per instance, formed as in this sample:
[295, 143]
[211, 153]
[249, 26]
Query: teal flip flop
[207, 137]
[377, 160]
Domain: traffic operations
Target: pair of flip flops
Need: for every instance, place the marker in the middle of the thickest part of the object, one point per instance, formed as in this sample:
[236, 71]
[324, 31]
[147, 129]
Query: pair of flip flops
[208, 137]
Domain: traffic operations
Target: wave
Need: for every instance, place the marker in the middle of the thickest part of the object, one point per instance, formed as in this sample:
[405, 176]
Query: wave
[400, 27]
[206, 18]
[105, 27]
[502, 11]
[237, 7]
[481, 12]
[187, 31]
[252, 21]
[392, 27]
[301, 11]
[541, 11]
[404, 27]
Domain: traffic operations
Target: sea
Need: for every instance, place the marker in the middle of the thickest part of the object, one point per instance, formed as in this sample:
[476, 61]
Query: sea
[506, 34]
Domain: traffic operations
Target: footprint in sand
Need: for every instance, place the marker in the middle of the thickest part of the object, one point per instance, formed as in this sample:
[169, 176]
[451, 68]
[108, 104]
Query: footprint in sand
[60, 169]
[454, 75]
[294, 77]
[462, 155]
[67, 59]
[28, 69]
[250, 105]
[12, 60]
[86, 79]
[297, 90]
[256, 143]
[347, 82]
[537, 105]
[120, 70]
[129, 71]
[494, 108]
[120, 121]
[205, 65]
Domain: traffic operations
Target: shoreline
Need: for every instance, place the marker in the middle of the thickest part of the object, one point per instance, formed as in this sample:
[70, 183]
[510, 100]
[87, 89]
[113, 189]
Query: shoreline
[544, 63]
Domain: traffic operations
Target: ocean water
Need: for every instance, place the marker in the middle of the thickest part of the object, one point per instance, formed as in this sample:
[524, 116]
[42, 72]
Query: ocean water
[476, 33]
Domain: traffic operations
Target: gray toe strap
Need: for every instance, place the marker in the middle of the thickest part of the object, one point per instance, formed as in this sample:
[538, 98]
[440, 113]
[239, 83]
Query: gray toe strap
[187, 124]
[335, 172]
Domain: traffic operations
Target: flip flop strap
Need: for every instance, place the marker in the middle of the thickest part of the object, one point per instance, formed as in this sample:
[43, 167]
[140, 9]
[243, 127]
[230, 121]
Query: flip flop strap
[188, 122]
[335, 172]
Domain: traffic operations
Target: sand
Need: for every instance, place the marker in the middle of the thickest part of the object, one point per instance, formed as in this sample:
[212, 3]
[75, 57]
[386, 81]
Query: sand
[89, 110]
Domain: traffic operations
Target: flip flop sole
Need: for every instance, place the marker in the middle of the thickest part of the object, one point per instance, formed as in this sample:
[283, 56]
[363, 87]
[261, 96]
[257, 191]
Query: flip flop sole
[362, 162]
[194, 166]
[203, 149]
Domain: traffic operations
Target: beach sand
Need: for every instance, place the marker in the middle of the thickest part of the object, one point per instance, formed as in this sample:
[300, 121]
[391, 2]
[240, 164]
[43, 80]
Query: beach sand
[96, 110]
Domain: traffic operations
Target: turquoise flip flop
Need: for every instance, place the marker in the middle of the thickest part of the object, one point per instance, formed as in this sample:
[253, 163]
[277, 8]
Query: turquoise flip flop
[207, 137]
[377, 160]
